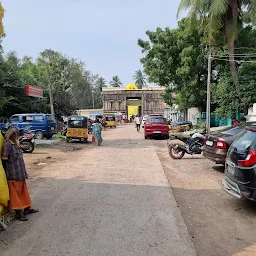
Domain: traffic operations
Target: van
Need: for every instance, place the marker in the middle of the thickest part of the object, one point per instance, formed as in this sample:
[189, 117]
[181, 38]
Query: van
[43, 125]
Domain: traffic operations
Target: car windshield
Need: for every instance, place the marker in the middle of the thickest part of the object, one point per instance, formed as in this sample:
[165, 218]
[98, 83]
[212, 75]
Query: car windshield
[243, 143]
[51, 118]
[156, 120]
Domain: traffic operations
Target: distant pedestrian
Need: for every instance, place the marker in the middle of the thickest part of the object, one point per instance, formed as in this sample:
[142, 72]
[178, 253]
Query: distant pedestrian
[235, 121]
[96, 130]
[138, 122]
[16, 174]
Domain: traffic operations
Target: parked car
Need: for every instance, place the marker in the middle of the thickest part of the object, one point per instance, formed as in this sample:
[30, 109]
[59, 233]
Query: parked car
[42, 125]
[156, 126]
[217, 145]
[240, 168]
[144, 119]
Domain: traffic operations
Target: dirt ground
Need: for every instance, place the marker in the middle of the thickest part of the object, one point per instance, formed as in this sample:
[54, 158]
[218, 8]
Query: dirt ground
[217, 223]
[109, 200]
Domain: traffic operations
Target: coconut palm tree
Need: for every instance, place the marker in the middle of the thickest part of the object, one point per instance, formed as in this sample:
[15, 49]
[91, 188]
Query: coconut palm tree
[220, 15]
[116, 82]
[101, 82]
[1, 20]
[139, 79]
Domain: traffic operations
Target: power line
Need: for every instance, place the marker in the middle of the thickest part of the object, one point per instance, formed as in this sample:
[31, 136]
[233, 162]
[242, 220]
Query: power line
[237, 61]
[238, 56]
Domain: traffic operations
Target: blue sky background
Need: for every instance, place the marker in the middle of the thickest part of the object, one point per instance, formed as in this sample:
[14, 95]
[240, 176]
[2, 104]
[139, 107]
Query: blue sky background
[102, 33]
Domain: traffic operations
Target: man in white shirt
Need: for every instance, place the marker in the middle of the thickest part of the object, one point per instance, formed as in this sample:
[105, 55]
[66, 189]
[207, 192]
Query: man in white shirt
[138, 122]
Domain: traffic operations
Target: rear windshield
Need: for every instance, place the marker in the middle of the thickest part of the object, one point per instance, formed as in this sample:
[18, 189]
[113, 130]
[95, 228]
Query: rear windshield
[233, 131]
[156, 120]
[51, 118]
[244, 142]
[75, 124]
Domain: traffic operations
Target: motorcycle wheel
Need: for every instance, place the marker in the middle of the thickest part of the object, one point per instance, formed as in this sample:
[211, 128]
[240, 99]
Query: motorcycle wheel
[30, 147]
[175, 154]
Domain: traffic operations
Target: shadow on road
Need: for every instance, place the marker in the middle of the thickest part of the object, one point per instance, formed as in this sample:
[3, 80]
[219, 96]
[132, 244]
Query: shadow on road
[218, 223]
[79, 217]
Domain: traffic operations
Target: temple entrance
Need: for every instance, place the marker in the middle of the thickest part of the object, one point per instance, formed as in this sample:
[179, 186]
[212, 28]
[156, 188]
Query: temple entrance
[133, 106]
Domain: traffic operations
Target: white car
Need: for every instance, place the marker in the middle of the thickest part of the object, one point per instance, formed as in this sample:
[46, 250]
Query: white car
[144, 120]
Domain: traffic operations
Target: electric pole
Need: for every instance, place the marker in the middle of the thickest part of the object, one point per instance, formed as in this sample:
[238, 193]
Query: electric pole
[208, 104]
[93, 98]
[50, 90]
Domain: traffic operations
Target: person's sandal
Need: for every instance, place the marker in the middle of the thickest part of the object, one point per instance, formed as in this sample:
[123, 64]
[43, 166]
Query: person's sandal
[30, 211]
[21, 216]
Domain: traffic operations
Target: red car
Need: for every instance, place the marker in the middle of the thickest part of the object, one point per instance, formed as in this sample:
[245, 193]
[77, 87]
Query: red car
[156, 126]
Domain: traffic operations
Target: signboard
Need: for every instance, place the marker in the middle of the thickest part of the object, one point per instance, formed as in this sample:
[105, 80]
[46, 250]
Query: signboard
[33, 91]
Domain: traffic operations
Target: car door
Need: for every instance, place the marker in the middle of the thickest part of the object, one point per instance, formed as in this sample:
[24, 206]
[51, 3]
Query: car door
[39, 124]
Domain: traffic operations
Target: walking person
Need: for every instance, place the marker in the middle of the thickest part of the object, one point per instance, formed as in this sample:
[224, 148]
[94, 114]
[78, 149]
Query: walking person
[96, 129]
[16, 175]
[138, 122]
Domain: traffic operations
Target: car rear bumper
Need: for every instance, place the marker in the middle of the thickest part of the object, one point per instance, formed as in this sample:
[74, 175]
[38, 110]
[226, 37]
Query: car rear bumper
[238, 191]
[216, 158]
[152, 134]
[231, 188]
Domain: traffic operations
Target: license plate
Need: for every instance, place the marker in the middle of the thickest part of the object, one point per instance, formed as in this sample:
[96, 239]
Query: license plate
[209, 143]
[231, 169]
[52, 128]
[156, 132]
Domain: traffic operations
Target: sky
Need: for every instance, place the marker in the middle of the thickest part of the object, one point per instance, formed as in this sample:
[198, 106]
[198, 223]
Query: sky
[102, 33]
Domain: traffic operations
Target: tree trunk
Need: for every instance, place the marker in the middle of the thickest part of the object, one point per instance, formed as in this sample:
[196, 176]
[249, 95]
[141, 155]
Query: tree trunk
[232, 62]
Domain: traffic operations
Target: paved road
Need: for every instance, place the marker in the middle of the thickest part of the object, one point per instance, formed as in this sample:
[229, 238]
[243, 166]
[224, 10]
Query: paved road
[220, 224]
[111, 200]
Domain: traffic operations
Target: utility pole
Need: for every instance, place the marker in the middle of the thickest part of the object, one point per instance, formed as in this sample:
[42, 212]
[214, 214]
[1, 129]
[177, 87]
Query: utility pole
[50, 92]
[208, 104]
[93, 98]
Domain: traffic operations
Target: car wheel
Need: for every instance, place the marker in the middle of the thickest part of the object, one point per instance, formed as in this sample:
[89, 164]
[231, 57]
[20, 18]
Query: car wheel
[146, 137]
[39, 135]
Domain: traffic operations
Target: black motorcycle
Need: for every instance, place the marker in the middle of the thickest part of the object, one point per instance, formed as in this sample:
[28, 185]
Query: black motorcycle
[26, 139]
[192, 145]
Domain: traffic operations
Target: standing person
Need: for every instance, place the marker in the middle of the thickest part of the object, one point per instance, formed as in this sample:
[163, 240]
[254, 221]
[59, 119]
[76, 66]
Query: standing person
[235, 121]
[138, 122]
[96, 129]
[16, 175]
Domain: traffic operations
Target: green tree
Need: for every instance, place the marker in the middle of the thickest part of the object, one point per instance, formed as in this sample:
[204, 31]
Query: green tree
[1, 19]
[139, 78]
[115, 82]
[223, 16]
[101, 82]
[176, 58]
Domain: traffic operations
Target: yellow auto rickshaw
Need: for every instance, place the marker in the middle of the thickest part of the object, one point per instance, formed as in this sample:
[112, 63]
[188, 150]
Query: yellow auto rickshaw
[77, 128]
[111, 121]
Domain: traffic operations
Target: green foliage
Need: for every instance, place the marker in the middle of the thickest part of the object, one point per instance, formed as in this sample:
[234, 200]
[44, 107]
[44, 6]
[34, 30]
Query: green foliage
[225, 16]
[227, 99]
[177, 58]
[115, 82]
[71, 84]
[140, 79]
